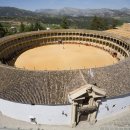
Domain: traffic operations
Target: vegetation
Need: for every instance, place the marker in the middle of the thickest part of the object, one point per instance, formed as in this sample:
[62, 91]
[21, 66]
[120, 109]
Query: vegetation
[38, 26]
[2, 31]
[64, 23]
[22, 27]
[31, 27]
[98, 24]
[92, 23]
[101, 24]
[17, 21]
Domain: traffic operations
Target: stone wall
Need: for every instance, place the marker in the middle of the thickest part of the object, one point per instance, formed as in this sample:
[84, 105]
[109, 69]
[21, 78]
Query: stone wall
[43, 114]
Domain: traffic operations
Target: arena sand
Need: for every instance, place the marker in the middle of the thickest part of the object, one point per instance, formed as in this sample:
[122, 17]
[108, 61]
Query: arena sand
[64, 57]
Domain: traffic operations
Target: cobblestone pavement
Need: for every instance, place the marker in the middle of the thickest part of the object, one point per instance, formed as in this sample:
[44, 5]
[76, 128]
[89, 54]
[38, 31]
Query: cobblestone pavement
[119, 122]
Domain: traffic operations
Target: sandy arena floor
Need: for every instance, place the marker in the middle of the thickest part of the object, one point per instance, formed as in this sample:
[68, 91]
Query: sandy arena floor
[64, 57]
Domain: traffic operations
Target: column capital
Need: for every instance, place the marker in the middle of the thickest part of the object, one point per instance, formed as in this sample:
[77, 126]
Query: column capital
[75, 103]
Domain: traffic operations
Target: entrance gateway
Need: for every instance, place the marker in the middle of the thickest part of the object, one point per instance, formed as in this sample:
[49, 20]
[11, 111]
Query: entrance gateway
[85, 102]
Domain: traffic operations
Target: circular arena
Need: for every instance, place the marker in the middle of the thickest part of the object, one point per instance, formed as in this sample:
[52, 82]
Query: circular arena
[64, 57]
[82, 86]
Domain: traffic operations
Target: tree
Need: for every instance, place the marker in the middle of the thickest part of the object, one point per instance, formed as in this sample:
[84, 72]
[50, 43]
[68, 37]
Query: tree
[22, 27]
[31, 27]
[64, 23]
[114, 23]
[38, 26]
[2, 31]
[98, 24]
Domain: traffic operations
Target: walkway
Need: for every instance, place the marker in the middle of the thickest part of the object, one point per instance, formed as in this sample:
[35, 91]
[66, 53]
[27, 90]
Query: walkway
[120, 122]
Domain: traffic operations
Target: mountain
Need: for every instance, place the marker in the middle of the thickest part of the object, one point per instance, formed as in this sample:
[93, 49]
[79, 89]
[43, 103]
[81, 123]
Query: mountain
[67, 11]
[15, 12]
[86, 12]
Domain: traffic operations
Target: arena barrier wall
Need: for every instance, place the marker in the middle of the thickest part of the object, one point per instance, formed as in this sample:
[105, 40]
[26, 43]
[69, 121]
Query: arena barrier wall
[112, 107]
[43, 114]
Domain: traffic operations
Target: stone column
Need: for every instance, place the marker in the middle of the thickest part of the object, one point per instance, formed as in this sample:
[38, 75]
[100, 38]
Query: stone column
[93, 115]
[90, 104]
[73, 114]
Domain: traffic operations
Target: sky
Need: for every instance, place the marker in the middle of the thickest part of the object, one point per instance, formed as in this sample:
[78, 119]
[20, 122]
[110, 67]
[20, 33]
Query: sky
[58, 4]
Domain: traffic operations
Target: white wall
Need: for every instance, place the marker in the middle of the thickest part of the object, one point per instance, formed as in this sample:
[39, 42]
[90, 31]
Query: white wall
[112, 107]
[43, 114]
[53, 114]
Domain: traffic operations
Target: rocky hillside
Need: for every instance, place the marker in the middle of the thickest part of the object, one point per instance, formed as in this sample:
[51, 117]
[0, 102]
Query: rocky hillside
[86, 12]
[15, 12]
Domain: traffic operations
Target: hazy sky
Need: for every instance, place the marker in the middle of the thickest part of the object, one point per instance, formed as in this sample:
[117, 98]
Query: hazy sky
[54, 4]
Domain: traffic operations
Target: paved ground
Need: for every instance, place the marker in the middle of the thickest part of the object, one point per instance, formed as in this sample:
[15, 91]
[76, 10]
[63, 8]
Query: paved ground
[122, 123]
[119, 122]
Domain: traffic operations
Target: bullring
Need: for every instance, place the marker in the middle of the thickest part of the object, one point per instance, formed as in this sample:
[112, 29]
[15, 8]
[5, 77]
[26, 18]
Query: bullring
[54, 87]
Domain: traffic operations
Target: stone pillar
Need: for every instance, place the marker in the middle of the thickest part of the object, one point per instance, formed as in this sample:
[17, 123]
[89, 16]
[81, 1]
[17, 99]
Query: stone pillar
[129, 48]
[93, 115]
[73, 114]
[90, 104]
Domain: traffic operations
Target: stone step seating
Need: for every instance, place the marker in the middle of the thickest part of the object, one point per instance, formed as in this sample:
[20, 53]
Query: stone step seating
[47, 89]
[110, 79]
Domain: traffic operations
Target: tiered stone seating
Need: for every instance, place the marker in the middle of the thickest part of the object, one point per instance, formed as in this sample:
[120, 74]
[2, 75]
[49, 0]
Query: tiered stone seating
[42, 88]
[52, 87]
[114, 79]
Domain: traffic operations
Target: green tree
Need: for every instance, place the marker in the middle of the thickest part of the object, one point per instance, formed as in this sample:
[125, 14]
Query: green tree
[98, 23]
[114, 23]
[38, 26]
[31, 27]
[22, 27]
[64, 23]
[2, 31]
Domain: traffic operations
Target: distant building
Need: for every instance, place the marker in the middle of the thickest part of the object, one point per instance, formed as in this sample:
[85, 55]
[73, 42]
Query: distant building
[13, 29]
[47, 28]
